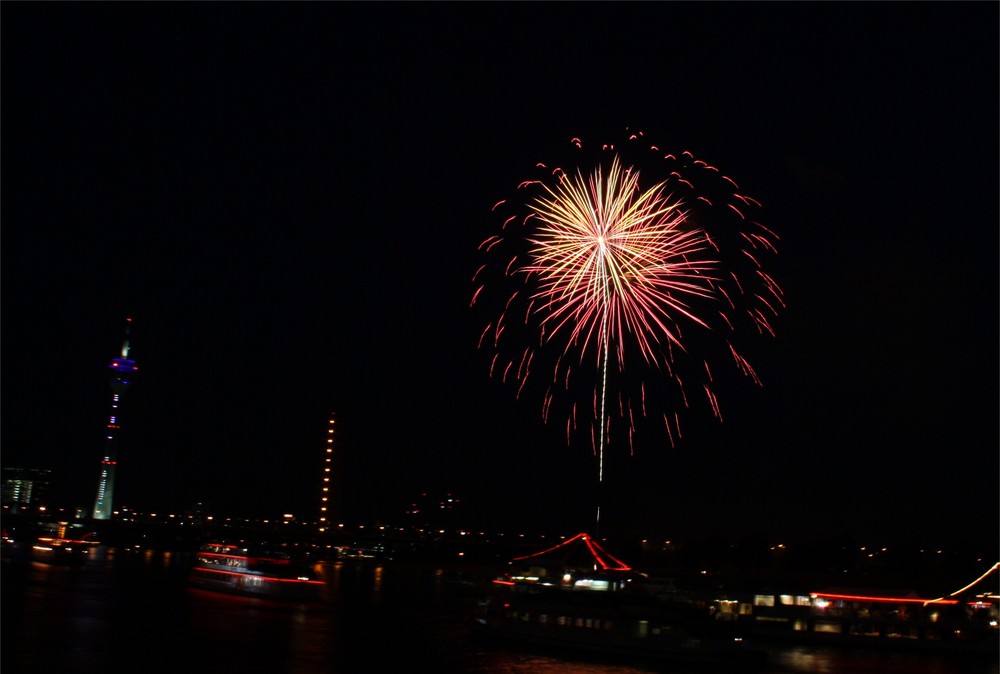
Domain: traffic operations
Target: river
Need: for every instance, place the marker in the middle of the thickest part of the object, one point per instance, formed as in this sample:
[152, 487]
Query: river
[134, 612]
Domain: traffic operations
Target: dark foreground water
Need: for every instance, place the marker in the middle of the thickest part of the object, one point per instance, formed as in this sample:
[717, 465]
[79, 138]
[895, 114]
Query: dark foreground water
[134, 612]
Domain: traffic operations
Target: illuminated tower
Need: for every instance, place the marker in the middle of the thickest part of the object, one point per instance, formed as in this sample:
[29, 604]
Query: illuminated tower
[122, 372]
[325, 509]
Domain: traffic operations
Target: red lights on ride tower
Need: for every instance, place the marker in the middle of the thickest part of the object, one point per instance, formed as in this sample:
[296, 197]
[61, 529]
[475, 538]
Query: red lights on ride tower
[122, 372]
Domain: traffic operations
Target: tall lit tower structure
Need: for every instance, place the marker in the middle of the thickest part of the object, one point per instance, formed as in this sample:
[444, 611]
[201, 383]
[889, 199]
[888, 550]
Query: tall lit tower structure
[325, 504]
[122, 372]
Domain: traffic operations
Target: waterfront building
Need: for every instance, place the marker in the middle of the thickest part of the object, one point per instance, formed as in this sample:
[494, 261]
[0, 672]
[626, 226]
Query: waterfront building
[122, 372]
[25, 487]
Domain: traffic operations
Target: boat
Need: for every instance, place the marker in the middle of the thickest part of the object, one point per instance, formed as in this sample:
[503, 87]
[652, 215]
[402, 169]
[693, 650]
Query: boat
[59, 550]
[241, 569]
[964, 621]
[599, 605]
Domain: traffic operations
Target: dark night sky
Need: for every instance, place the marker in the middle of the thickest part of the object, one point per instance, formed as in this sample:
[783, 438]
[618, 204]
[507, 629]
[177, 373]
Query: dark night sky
[287, 198]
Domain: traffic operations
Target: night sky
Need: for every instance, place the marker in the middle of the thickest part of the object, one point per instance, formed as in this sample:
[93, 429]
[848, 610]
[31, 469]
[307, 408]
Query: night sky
[287, 199]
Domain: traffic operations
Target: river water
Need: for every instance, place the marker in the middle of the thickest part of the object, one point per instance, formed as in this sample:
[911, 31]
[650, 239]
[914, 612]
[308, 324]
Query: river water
[134, 612]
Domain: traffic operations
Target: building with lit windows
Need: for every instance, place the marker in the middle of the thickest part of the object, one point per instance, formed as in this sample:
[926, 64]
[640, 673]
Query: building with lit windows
[25, 487]
[122, 372]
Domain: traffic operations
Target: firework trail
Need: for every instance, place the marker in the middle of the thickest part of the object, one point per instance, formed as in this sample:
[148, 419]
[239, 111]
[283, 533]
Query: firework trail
[599, 280]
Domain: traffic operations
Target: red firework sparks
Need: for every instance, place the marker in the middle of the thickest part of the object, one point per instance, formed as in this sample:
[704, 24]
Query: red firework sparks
[598, 261]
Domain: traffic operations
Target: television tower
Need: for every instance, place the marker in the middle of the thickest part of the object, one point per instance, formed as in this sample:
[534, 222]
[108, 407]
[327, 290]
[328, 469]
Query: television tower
[122, 372]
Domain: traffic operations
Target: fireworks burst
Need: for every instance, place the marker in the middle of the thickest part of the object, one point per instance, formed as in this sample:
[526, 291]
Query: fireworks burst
[610, 283]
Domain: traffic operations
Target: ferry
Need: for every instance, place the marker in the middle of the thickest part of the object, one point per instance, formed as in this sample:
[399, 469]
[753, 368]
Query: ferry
[964, 621]
[599, 605]
[58, 550]
[240, 569]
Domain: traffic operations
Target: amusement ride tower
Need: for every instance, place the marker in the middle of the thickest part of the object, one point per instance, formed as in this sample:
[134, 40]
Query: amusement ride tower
[122, 372]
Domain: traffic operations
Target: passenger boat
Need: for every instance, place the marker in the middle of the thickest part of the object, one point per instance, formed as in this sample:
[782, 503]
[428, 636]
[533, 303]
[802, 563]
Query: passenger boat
[244, 570]
[964, 621]
[58, 550]
[602, 606]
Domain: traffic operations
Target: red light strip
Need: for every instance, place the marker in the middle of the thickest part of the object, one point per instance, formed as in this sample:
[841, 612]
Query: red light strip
[884, 600]
[554, 547]
[596, 551]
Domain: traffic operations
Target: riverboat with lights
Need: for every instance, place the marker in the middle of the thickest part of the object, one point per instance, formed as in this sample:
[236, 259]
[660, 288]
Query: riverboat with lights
[58, 550]
[598, 605]
[243, 570]
[964, 621]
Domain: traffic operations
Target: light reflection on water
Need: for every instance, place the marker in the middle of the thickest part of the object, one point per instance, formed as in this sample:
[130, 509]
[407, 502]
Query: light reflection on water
[129, 609]
[833, 661]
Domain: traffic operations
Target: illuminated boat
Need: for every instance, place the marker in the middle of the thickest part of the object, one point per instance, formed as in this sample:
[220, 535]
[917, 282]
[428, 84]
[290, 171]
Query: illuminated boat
[240, 569]
[56, 550]
[965, 620]
[597, 604]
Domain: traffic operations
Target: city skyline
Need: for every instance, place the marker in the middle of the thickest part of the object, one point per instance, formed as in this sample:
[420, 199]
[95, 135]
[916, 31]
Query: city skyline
[288, 200]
